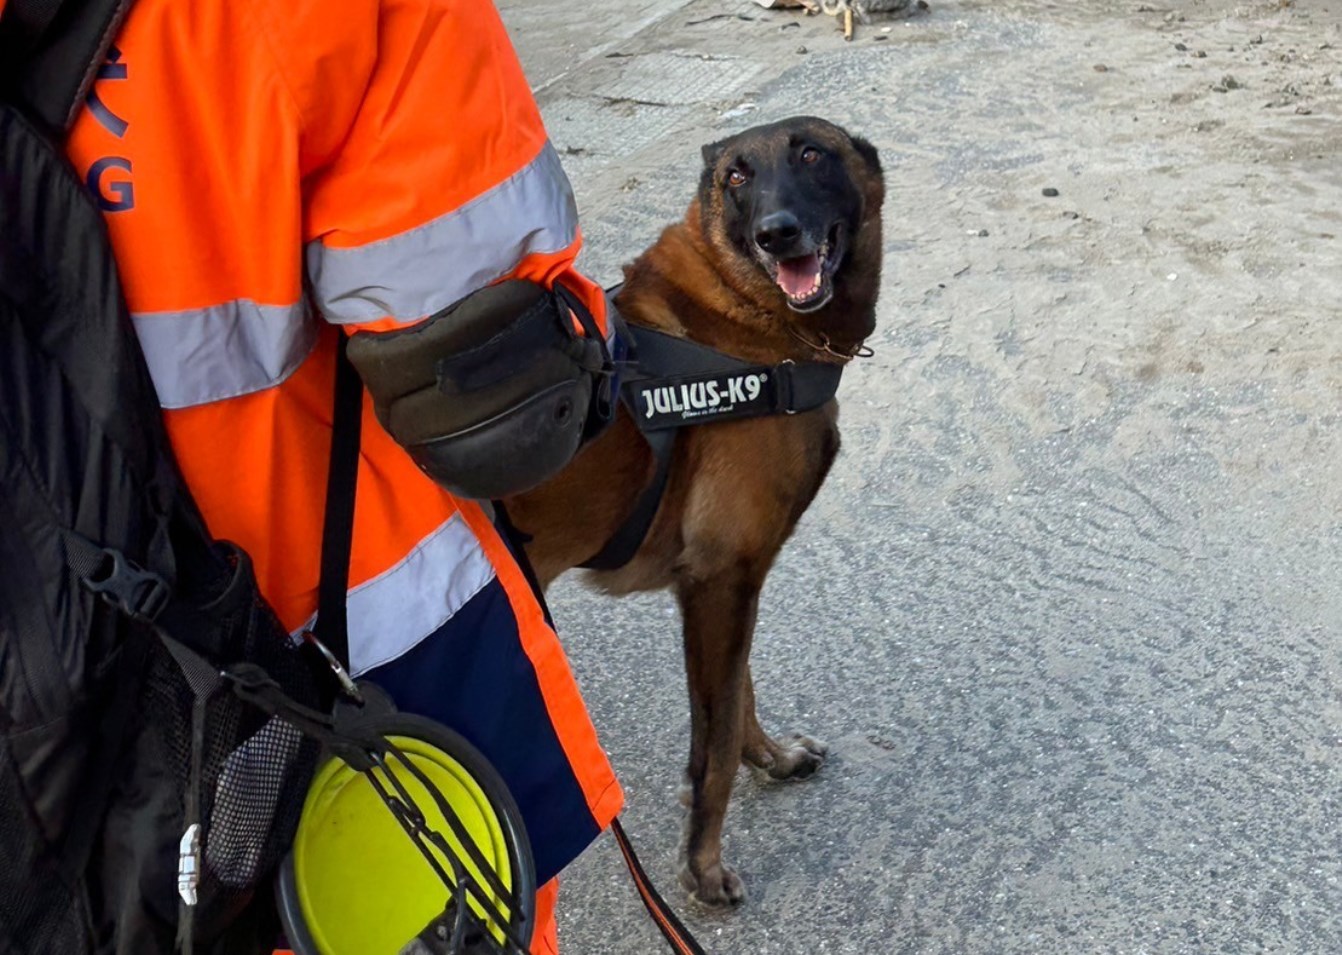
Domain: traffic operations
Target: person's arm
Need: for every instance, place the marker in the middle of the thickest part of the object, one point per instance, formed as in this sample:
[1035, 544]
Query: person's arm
[442, 233]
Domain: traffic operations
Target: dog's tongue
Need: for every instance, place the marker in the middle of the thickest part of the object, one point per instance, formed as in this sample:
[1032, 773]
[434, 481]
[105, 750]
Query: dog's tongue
[797, 277]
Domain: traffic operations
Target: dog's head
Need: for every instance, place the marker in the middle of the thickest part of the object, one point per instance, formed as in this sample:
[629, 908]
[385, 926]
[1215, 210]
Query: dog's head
[796, 205]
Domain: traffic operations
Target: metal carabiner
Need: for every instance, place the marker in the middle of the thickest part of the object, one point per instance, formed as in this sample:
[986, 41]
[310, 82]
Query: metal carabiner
[347, 684]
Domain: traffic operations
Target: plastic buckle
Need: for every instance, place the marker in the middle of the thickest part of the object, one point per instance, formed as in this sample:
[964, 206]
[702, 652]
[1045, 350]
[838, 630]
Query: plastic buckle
[140, 594]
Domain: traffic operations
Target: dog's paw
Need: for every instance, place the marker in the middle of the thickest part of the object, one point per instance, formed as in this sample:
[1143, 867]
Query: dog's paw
[801, 758]
[717, 886]
[796, 757]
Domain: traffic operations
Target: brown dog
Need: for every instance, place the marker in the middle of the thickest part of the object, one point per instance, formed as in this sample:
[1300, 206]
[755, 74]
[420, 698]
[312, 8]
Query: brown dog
[778, 258]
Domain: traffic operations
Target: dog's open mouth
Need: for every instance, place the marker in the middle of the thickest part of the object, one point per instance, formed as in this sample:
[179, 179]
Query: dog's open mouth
[808, 280]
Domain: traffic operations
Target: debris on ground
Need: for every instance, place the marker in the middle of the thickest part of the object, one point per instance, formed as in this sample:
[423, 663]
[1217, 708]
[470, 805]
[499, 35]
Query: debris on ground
[846, 11]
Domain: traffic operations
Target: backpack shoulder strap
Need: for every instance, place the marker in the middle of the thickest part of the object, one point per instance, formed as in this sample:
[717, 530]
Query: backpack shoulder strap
[27, 21]
[51, 51]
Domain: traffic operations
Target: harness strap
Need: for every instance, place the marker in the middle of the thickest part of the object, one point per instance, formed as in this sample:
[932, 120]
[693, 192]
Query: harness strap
[671, 383]
[679, 383]
[805, 386]
[626, 541]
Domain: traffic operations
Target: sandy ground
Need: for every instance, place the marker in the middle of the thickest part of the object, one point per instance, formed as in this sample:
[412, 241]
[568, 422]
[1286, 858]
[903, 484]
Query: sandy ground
[1069, 607]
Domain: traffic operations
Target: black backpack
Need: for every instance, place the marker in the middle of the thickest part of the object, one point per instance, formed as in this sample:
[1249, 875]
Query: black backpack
[146, 798]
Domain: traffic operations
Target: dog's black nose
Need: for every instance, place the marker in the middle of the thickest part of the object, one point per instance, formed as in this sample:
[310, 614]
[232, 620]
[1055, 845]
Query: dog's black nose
[777, 231]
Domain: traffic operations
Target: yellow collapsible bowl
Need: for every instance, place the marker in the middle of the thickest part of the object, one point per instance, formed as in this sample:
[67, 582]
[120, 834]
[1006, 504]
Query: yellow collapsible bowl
[356, 884]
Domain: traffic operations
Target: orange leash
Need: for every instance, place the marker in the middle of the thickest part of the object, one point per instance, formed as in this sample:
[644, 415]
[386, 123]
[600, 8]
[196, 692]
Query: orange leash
[675, 932]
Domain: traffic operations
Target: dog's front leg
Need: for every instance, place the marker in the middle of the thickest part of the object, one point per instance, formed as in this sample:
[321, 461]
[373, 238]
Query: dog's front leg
[719, 615]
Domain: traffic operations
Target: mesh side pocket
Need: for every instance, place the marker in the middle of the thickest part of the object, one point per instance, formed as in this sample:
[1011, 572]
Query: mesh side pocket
[248, 796]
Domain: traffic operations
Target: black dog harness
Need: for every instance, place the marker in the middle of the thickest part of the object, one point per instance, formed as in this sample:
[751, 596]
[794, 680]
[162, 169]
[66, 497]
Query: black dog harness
[669, 383]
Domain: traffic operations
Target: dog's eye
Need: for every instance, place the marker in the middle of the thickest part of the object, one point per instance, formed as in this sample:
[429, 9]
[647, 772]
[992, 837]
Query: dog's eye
[736, 178]
[810, 154]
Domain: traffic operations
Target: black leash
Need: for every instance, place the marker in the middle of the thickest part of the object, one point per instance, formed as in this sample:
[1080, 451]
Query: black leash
[673, 930]
[332, 626]
[671, 927]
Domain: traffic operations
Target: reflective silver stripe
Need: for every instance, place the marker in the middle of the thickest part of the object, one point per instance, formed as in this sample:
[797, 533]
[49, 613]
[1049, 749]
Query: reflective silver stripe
[208, 354]
[391, 613]
[423, 271]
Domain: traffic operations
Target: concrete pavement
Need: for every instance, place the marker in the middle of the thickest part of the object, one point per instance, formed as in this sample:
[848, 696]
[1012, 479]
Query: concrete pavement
[1068, 607]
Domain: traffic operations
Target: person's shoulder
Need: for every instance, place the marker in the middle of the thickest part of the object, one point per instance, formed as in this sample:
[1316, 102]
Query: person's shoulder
[323, 52]
[303, 27]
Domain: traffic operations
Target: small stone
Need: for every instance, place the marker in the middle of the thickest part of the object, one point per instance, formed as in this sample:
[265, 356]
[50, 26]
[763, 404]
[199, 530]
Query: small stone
[1181, 47]
[1071, 215]
[1230, 83]
[1146, 8]
[1303, 110]
[1101, 68]
[983, 233]
[1050, 192]
[801, 50]
[1256, 41]
[1218, 88]
[879, 37]
[1201, 54]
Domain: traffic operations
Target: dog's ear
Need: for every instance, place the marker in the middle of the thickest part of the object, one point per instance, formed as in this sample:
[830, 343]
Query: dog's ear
[868, 153]
[712, 152]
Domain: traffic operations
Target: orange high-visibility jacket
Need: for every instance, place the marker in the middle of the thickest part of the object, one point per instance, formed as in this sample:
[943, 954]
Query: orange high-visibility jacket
[276, 173]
